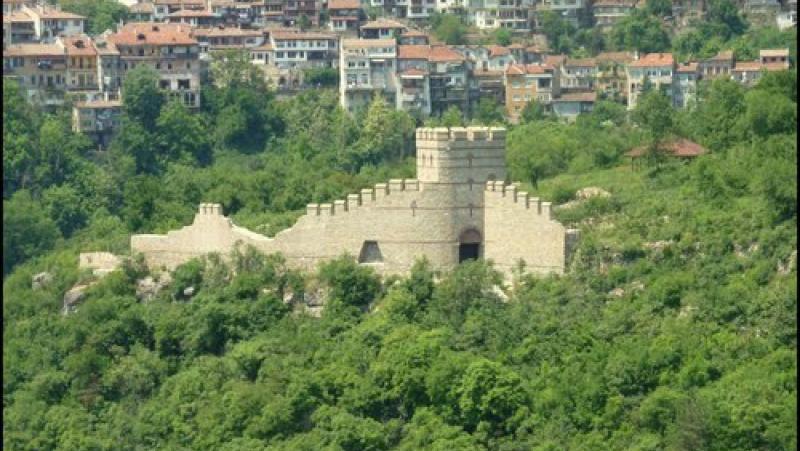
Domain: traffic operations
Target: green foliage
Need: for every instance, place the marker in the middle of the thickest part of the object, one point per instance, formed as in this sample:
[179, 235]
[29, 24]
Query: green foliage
[142, 98]
[27, 230]
[449, 29]
[558, 30]
[322, 77]
[640, 31]
[101, 15]
[502, 36]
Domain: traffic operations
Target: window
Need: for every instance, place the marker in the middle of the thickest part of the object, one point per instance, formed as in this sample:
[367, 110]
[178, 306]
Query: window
[370, 253]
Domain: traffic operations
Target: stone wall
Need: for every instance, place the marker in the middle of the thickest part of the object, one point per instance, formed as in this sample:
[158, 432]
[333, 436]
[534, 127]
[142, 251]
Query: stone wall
[460, 193]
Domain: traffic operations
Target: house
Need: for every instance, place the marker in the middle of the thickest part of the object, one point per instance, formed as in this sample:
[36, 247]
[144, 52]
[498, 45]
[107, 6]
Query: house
[10, 6]
[170, 49]
[98, 119]
[529, 82]
[569, 105]
[655, 68]
[382, 29]
[608, 13]
[578, 74]
[533, 54]
[262, 54]
[494, 14]
[682, 148]
[40, 69]
[611, 79]
[774, 57]
[18, 28]
[195, 18]
[344, 15]
[220, 38]
[449, 79]
[109, 76]
[81, 63]
[787, 18]
[686, 77]
[749, 72]
[720, 65]
[413, 70]
[295, 10]
[294, 52]
[50, 22]
[414, 37]
[141, 12]
[163, 8]
[366, 68]
[570, 10]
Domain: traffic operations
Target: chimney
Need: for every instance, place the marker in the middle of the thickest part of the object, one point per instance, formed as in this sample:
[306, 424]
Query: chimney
[636, 55]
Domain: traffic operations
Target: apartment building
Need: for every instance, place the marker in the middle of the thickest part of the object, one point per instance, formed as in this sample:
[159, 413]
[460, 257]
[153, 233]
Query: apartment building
[109, 74]
[220, 38]
[414, 10]
[494, 14]
[141, 12]
[98, 119]
[529, 82]
[50, 22]
[720, 65]
[657, 68]
[40, 69]
[163, 8]
[18, 28]
[195, 18]
[413, 72]
[608, 13]
[611, 78]
[776, 58]
[344, 16]
[574, 11]
[272, 13]
[82, 71]
[414, 37]
[367, 67]
[382, 29]
[770, 60]
[294, 10]
[170, 49]
[569, 105]
[686, 77]
[305, 50]
[578, 74]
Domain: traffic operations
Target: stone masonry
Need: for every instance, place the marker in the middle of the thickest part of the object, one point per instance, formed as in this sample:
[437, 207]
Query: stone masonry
[459, 207]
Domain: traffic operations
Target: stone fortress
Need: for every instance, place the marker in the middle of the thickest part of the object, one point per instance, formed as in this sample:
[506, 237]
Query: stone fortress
[458, 208]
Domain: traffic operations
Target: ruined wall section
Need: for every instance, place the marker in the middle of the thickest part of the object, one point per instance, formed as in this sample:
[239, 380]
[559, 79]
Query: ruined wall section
[520, 227]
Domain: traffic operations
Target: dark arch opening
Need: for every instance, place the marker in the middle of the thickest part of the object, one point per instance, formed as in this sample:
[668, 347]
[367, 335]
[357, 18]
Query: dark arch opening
[469, 245]
[370, 253]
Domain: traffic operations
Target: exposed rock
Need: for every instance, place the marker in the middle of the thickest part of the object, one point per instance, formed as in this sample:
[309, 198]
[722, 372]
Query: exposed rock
[148, 288]
[39, 281]
[789, 265]
[657, 245]
[637, 285]
[188, 292]
[500, 293]
[617, 292]
[315, 298]
[99, 262]
[73, 297]
[591, 191]
[315, 311]
[686, 311]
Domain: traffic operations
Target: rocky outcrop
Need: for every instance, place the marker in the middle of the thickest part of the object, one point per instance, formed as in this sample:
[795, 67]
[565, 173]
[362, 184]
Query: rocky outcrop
[41, 280]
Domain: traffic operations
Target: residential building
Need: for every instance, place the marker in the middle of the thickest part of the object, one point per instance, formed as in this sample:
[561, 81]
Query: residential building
[656, 68]
[262, 54]
[414, 37]
[776, 57]
[82, 59]
[608, 13]
[685, 92]
[414, 10]
[10, 6]
[40, 69]
[682, 149]
[295, 52]
[109, 76]
[50, 22]
[98, 119]
[569, 105]
[749, 72]
[494, 14]
[574, 11]
[294, 10]
[272, 12]
[448, 78]
[762, 7]
[529, 82]
[344, 15]
[18, 28]
[717, 66]
[163, 8]
[413, 69]
[141, 12]
[611, 79]
[170, 49]
[578, 74]
[787, 18]
[367, 67]
[195, 18]
[382, 29]
[533, 55]
[223, 38]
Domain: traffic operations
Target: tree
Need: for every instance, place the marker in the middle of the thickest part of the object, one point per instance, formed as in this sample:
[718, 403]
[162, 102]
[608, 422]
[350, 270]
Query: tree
[27, 230]
[349, 284]
[182, 135]
[450, 30]
[452, 117]
[489, 112]
[321, 77]
[383, 137]
[659, 8]
[101, 15]
[502, 36]
[640, 31]
[141, 97]
[654, 113]
[533, 111]
[558, 30]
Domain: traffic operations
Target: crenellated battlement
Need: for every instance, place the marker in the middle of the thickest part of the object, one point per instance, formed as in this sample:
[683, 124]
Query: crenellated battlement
[487, 134]
[366, 197]
[520, 198]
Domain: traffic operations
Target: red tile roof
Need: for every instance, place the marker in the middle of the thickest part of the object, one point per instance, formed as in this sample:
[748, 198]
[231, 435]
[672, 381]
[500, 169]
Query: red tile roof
[577, 97]
[141, 8]
[554, 60]
[654, 60]
[522, 69]
[678, 148]
[138, 33]
[413, 52]
[382, 23]
[344, 4]
[33, 50]
[498, 50]
[297, 35]
[614, 57]
[442, 53]
[687, 67]
[79, 46]
[583, 62]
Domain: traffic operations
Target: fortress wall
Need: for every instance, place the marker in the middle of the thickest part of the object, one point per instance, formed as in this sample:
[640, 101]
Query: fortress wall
[518, 226]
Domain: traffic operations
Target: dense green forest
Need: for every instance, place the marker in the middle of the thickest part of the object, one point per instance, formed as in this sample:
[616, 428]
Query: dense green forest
[674, 328]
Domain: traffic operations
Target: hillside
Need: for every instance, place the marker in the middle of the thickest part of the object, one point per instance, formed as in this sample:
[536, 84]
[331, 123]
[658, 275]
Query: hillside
[675, 327]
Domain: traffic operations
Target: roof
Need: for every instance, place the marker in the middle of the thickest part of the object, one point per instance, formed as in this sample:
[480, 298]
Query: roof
[105, 47]
[222, 31]
[614, 57]
[582, 62]
[678, 148]
[192, 13]
[742, 66]
[773, 52]
[17, 16]
[137, 33]
[33, 50]
[99, 104]
[516, 46]
[345, 18]
[382, 23]
[498, 50]
[144, 7]
[534, 49]
[442, 53]
[48, 12]
[612, 3]
[414, 72]
[297, 35]
[688, 67]
[79, 46]
[723, 55]
[523, 69]
[182, 3]
[554, 60]
[413, 34]
[344, 4]
[413, 52]
[262, 48]
[654, 59]
[362, 43]
[576, 97]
